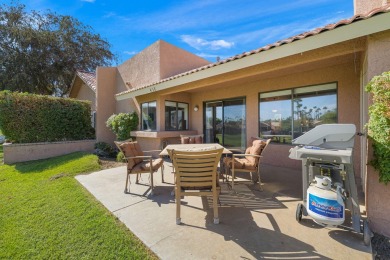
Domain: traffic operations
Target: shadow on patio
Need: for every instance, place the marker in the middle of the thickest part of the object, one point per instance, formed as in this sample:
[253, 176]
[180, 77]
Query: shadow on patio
[253, 224]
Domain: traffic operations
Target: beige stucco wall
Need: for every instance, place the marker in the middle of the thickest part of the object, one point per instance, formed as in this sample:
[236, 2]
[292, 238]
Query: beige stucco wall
[143, 68]
[364, 6]
[81, 91]
[14, 153]
[86, 93]
[337, 63]
[155, 144]
[378, 194]
[124, 106]
[174, 60]
[105, 102]
[348, 101]
[158, 61]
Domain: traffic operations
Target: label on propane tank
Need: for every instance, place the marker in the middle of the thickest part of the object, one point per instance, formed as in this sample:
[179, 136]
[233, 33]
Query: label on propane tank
[325, 207]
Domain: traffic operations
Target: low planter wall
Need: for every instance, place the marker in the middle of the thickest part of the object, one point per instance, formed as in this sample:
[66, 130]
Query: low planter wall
[277, 155]
[14, 153]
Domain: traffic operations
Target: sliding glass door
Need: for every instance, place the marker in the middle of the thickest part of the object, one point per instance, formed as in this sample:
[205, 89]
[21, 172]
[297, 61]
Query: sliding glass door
[213, 122]
[225, 123]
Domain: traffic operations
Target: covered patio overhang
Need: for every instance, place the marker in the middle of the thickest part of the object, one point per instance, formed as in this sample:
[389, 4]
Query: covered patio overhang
[303, 62]
[341, 63]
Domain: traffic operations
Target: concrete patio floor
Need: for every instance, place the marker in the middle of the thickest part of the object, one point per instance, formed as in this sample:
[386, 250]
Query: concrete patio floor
[253, 224]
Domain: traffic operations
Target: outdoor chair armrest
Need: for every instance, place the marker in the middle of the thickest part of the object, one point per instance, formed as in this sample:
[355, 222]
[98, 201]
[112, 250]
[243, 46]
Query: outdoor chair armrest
[151, 151]
[140, 157]
[244, 155]
[237, 150]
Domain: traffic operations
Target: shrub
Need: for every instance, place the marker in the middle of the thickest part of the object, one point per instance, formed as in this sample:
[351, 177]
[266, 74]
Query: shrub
[29, 118]
[119, 157]
[105, 149]
[379, 124]
[122, 124]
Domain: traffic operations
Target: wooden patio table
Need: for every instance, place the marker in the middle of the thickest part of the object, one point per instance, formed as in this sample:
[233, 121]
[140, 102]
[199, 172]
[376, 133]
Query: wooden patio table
[193, 147]
[189, 147]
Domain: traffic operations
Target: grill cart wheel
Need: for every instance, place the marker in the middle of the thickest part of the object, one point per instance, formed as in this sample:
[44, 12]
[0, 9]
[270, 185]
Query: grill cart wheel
[299, 212]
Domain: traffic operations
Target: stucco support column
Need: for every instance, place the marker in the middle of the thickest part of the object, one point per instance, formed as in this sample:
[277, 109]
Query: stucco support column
[105, 102]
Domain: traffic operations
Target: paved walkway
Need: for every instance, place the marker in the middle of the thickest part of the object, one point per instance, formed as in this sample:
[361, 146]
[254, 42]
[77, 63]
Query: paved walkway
[252, 225]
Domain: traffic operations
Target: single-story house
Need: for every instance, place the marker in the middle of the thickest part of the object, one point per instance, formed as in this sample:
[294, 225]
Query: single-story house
[83, 87]
[279, 91]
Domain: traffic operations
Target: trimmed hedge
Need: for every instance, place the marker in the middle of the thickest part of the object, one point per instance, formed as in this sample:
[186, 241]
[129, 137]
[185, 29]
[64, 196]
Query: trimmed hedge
[379, 124]
[30, 118]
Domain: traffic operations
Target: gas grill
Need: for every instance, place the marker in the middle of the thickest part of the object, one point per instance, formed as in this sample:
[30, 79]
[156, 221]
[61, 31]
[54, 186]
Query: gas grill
[326, 153]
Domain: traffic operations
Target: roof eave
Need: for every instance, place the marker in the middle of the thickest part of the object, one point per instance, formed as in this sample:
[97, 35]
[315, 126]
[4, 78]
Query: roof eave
[340, 34]
[91, 88]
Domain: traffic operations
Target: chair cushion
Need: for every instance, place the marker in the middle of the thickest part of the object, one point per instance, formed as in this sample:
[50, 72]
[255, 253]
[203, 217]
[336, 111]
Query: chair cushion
[191, 139]
[238, 162]
[185, 140]
[131, 149]
[249, 165]
[256, 149]
[145, 165]
[198, 140]
[252, 139]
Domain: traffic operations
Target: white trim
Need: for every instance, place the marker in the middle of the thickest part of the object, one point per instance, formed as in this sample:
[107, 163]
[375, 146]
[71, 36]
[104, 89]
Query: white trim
[377, 23]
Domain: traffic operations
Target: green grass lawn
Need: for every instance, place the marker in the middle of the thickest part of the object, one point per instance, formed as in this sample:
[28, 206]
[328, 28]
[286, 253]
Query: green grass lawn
[46, 214]
[231, 140]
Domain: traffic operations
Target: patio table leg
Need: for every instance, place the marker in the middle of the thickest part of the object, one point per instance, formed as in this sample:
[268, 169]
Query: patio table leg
[162, 173]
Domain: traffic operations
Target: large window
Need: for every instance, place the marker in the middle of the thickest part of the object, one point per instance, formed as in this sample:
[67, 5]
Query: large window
[287, 114]
[148, 116]
[176, 116]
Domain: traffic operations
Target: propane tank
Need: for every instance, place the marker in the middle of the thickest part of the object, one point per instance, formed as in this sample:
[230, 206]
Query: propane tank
[325, 205]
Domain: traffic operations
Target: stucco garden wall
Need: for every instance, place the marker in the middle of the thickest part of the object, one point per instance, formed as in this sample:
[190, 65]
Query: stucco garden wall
[14, 153]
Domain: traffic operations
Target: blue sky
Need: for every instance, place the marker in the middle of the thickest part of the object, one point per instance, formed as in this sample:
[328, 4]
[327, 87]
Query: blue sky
[210, 28]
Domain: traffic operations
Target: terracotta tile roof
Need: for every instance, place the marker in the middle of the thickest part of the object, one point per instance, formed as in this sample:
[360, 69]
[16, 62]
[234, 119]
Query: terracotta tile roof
[89, 78]
[384, 9]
